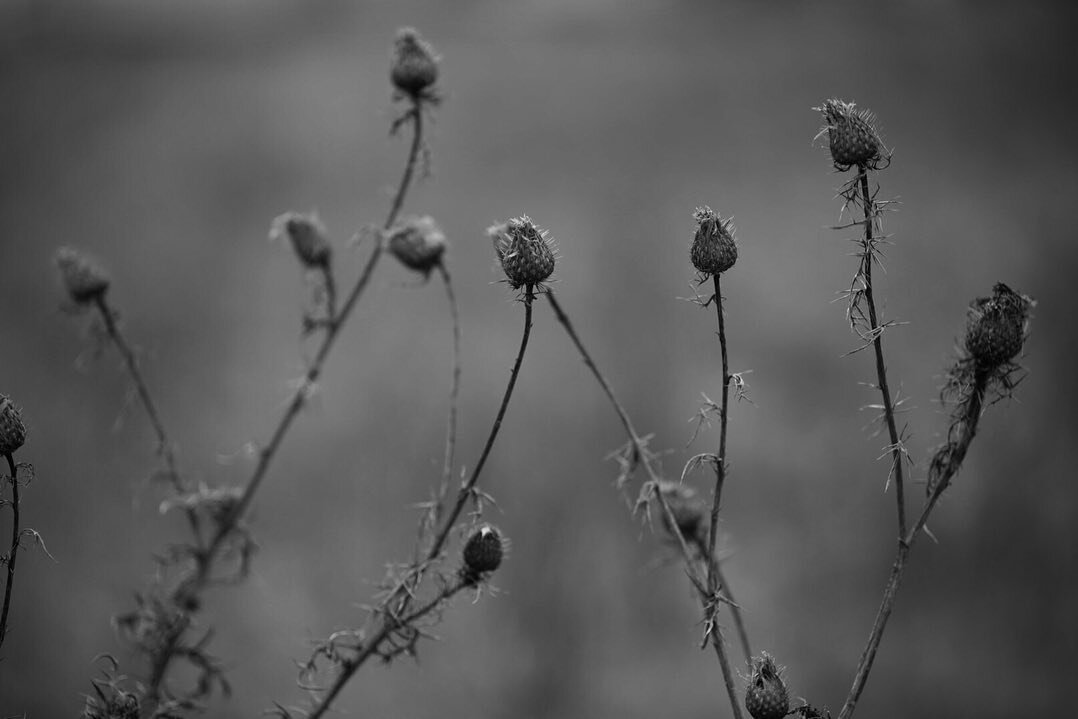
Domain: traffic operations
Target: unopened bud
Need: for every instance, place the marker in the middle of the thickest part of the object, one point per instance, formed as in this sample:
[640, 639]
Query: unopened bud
[307, 236]
[690, 513]
[851, 135]
[414, 66]
[525, 252]
[766, 696]
[713, 247]
[12, 429]
[483, 553]
[83, 278]
[998, 326]
[418, 243]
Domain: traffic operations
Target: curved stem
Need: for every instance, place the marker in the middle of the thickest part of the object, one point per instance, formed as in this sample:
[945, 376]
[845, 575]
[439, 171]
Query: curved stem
[15, 532]
[720, 465]
[205, 558]
[454, 392]
[867, 259]
[967, 429]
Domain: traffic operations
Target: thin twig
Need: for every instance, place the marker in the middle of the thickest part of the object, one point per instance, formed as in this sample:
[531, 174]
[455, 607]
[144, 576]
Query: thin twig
[228, 525]
[867, 260]
[641, 452]
[371, 646]
[454, 391]
[164, 444]
[720, 464]
[15, 534]
[971, 412]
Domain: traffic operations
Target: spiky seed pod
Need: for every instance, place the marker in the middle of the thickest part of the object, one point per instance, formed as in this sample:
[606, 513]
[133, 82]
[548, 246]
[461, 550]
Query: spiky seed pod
[713, 247]
[766, 696]
[84, 280]
[307, 236]
[851, 135]
[12, 429]
[689, 510]
[418, 243]
[524, 250]
[997, 326]
[483, 553]
[414, 66]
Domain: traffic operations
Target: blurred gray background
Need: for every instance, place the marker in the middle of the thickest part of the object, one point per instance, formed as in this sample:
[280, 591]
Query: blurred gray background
[164, 137]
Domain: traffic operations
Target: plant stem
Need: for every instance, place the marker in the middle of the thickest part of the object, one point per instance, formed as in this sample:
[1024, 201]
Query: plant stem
[15, 533]
[727, 672]
[867, 259]
[164, 444]
[454, 391]
[640, 449]
[720, 465]
[194, 584]
[370, 647]
[971, 412]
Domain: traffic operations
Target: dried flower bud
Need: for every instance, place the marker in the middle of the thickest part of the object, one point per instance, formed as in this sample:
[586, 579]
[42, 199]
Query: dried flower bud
[418, 243]
[307, 236]
[766, 696]
[690, 513]
[83, 278]
[525, 252]
[998, 326]
[12, 429]
[415, 66]
[483, 553]
[713, 247]
[851, 135]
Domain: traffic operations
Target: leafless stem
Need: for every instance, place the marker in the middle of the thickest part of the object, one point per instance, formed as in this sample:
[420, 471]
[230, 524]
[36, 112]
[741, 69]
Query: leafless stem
[454, 391]
[205, 558]
[15, 534]
[372, 645]
[691, 566]
[720, 464]
[897, 460]
[966, 429]
[164, 444]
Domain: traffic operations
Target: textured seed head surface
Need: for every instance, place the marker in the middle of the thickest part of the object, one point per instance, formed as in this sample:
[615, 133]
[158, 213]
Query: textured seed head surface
[997, 326]
[414, 66]
[418, 243]
[689, 510]
[83, 278]
[307, 236]
[12, 429]
[766, 696]
[525, 252]
[483, 552]
[851, 135]
[713, 247]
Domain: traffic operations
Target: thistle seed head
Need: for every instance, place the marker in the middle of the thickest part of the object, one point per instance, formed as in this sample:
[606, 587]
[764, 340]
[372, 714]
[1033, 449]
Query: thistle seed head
[84, 280]
[418, 243]
[690, 513]
[307, 236]
[483, 553]
[713, 247]
[525, 252]
[997, 326]
[12, 429]
[766, 696]
[851, 135]
[414, 67]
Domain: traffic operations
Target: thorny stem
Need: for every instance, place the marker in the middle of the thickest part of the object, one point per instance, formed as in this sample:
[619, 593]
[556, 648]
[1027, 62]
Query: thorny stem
[391, 622]
[727, 672]
[967, 429]
[350, 666]
[877, 344]
[225, 528]
[164, 444]
[641, 452]
[720, 465]
[15, 532]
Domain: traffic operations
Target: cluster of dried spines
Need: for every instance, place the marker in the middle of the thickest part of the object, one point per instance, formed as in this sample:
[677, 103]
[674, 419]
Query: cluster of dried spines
[414, 66]
[525, 252]
[714, 249]
[307, 235]
[483, 553]
[852, 136]
[418, 243]
[997, 327]
[690, 513]
[84, 279]
[766, 696]
[12, 428]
